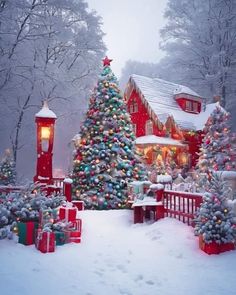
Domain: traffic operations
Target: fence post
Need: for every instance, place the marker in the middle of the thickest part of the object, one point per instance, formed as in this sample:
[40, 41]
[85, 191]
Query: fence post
[160, 212]
[67, 189]
[138, 214]
[160, 195]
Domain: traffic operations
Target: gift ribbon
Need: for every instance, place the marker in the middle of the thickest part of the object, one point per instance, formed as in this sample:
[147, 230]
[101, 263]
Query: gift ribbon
[67, 214]
[39, 237]
[48, 241]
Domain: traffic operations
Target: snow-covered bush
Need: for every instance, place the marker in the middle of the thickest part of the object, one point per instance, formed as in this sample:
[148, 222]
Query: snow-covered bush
[24, 206]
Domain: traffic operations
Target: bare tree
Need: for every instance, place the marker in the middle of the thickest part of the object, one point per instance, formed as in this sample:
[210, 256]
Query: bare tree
[48, 49]
[200, 41]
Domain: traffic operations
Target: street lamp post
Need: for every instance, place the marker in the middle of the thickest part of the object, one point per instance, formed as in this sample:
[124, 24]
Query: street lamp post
[45, 121]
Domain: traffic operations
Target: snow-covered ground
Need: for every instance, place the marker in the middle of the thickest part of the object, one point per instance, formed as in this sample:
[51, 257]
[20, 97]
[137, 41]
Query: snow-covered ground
[118, 257]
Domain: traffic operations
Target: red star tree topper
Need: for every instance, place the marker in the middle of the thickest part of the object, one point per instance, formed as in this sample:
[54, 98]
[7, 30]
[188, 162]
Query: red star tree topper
[107, 61]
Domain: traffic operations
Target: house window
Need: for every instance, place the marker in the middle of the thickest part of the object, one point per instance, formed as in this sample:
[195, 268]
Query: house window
[195, 107]
[149, 127]
[133, 108]
[188, 105]
[191, 106]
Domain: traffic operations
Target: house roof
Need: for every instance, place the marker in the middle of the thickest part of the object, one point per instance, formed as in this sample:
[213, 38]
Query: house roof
[158, 96]
[153, 139]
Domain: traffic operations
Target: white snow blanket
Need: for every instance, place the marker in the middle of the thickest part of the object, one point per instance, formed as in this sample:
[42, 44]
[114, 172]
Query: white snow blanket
[118, 257]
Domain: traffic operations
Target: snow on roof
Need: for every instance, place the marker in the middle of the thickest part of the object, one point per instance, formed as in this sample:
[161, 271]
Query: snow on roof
[183, 89]
[159, 95]
[158, 140]
[164, 178]
[45, 112]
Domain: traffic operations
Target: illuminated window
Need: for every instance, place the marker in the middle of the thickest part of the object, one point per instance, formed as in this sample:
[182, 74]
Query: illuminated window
[149, 127]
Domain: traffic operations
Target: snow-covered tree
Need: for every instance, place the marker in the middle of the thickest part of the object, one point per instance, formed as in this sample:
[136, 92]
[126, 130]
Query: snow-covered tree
[7, 169]
[49, 49]
[200, 41]
[105, 160]
[140, 68]
[214, 219]
[218, 149]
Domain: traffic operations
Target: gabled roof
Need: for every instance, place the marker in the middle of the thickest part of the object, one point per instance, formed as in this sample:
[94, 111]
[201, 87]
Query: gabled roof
[158, 96]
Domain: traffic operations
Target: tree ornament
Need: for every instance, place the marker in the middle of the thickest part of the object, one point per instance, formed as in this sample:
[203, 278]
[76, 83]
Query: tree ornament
[106, 84]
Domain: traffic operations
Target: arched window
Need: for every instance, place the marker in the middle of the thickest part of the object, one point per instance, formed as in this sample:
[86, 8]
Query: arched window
[149, 127]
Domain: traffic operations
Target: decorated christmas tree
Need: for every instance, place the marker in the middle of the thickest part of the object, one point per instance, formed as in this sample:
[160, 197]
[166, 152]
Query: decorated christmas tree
[7, 169]
[218, 149]
[215, 218]
[105, 159]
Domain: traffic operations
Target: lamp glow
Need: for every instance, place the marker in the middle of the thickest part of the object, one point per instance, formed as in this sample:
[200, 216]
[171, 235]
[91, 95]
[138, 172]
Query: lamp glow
[45, 132]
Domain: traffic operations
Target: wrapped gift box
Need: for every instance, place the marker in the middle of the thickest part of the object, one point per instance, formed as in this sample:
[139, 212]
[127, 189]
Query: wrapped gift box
[60, 238]
[79, 205]
[77, 224]
[73, 236]
[26, 232]
[74, 240]
[45, 241]
[67, 214]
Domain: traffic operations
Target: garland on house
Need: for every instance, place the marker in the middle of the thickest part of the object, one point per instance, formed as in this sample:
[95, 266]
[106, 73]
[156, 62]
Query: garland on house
[106, 160]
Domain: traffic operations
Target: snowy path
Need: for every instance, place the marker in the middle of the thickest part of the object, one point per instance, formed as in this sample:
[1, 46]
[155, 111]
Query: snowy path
[117, 257]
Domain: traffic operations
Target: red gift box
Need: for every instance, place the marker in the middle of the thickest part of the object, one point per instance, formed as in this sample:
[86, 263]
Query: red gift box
[77, 224]
[45, 241]
[67, 214]
[73, 236]
[74, 240]
[26, 232]
[79, 205]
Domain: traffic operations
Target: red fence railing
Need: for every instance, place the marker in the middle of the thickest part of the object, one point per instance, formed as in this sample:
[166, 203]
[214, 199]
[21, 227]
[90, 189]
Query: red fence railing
[181, 205]
[56, 186]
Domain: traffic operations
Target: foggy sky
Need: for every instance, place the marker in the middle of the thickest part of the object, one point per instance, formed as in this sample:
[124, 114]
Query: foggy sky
[131, 28]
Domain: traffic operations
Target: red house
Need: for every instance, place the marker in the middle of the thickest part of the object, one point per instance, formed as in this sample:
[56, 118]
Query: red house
[168, 120]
